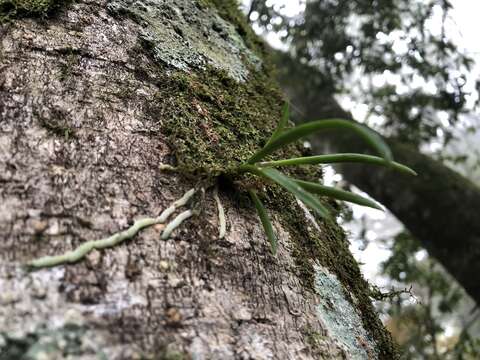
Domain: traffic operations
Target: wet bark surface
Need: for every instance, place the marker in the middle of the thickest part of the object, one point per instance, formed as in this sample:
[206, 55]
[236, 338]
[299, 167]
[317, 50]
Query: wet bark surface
[79, 161]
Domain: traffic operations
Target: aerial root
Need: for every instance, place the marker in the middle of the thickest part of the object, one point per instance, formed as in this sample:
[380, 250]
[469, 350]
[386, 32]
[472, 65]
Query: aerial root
[81, 251]
[175, 223]
[221, 215]
[166, 167]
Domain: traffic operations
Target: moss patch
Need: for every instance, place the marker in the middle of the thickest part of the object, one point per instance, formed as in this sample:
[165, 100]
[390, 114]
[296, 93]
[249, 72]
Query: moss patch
[58, 128]
[24, 8]
[213, 123]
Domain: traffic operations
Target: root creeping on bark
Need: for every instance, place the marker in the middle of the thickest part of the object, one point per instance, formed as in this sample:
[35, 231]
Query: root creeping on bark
[176, 223]
[81, 251]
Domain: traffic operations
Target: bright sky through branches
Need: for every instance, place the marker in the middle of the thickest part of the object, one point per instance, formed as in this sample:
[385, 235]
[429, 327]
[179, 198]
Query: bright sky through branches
[461, 27]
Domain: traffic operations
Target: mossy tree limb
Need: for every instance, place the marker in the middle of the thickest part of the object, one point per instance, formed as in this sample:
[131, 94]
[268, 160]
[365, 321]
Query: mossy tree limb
[193, 294]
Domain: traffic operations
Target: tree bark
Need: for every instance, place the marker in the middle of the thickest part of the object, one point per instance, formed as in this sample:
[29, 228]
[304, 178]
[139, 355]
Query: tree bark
[439, 206]
[88, 112]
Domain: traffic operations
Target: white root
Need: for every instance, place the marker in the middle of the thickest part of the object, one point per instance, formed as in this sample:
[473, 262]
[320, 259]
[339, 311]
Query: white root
[221, 215]
[82, 250]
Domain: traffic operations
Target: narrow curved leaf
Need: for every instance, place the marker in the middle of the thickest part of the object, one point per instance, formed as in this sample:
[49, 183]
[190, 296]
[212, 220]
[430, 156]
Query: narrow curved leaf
[300, 131]
[282, 123]
[291, 186]
[339, 158]
[338, 194]
[266, 223]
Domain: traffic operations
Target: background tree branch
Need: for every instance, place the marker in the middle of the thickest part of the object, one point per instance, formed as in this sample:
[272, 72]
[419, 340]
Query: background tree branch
[439, 206]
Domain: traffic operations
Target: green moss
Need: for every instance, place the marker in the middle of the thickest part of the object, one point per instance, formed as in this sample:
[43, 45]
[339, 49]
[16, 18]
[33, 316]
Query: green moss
[57, 126]
[68, 63]
[21, 8]
[214, 123]
[165, 354]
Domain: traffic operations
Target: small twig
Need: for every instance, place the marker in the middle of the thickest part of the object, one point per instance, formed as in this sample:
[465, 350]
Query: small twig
[221, 215]
[82, 250]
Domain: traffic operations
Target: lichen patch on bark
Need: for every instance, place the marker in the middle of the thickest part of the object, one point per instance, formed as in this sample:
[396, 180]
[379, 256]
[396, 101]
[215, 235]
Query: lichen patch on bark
[186, 35]
[341, 318]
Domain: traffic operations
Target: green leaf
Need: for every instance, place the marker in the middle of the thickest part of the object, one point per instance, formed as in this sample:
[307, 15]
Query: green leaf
[267, 225]
[283, 122]
[335, 193]
[291, 186]
[339, 158]
[300, 131]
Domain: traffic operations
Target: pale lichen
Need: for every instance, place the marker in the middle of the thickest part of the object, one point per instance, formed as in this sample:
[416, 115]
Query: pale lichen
[340, 317]
[176, 34]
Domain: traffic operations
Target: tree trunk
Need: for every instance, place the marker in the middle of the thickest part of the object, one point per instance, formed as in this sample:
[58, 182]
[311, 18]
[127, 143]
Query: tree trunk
[93, 98]
[439, 206]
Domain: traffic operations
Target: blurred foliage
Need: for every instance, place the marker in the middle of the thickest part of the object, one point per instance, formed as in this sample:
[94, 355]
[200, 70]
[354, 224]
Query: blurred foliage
[397, 57]
[422, 324]
[407, 69]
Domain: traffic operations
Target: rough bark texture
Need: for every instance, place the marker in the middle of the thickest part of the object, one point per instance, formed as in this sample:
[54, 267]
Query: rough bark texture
[87, 112]
[439, 206]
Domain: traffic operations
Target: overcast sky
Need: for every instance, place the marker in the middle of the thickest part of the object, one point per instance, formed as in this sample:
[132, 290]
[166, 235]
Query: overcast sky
[464, 29]
[466, 17]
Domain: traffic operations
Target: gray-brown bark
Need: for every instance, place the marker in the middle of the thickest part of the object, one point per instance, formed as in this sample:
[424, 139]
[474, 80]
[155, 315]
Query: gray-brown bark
[439, 206]
[79, 155]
